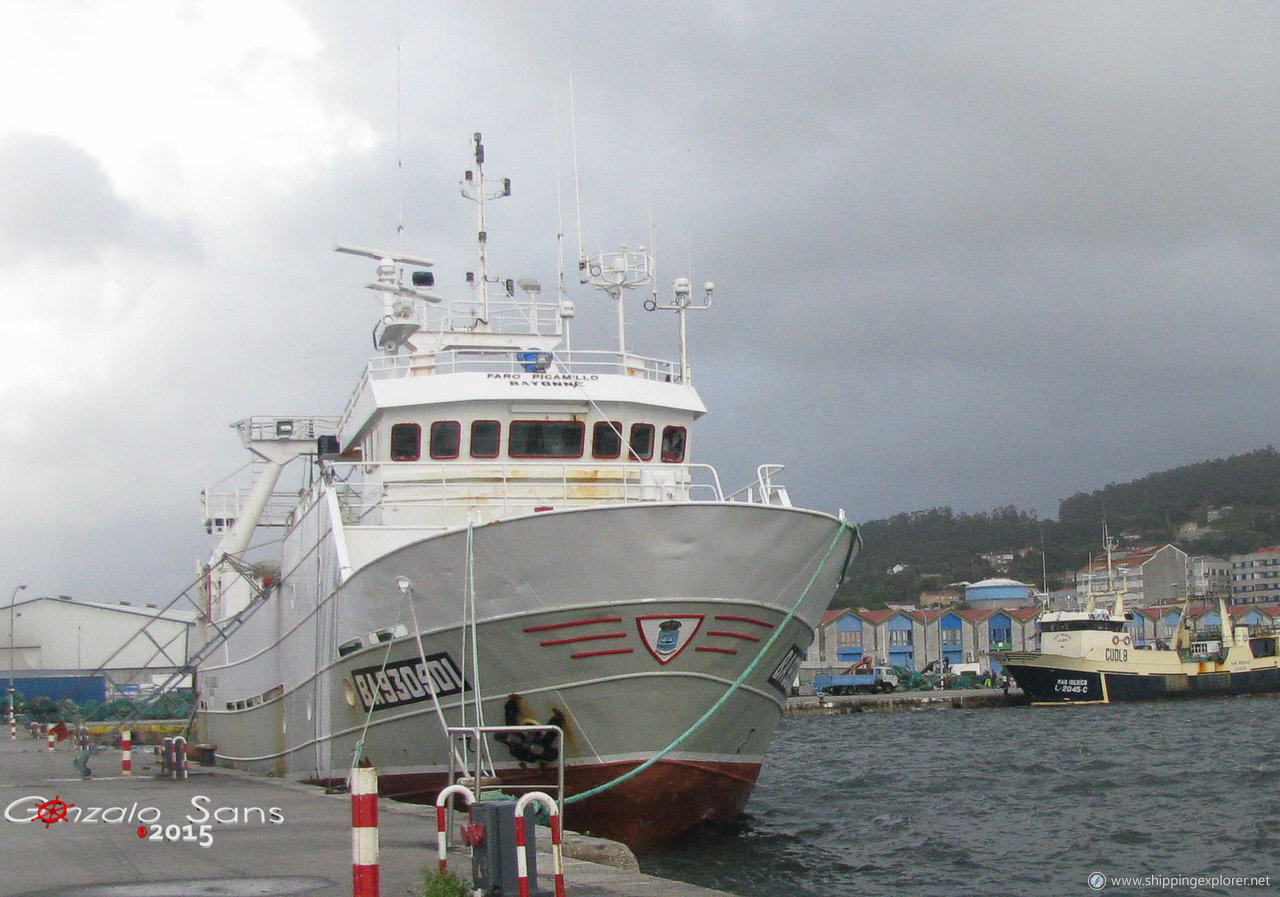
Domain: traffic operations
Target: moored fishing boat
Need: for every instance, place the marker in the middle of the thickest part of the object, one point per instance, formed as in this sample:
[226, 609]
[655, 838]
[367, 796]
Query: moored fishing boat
[1091, 657]
[499, 530]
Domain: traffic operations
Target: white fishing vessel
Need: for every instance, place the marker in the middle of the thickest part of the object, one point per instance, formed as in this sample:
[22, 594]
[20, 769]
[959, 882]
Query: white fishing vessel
[501, 529]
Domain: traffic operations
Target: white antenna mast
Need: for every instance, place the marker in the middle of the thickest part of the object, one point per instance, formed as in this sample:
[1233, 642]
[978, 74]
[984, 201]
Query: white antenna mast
[681, 303]
[399, 143]
[566, 307]
[473, 188]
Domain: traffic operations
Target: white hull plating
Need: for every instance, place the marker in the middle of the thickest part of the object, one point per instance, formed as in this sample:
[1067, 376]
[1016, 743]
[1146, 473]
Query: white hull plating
[566, 603]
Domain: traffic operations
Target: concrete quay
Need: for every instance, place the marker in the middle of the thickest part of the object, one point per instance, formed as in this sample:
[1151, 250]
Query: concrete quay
[959, 698]
[265, 836]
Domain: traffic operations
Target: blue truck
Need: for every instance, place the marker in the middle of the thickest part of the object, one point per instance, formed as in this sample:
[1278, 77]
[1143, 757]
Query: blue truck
[855, 681]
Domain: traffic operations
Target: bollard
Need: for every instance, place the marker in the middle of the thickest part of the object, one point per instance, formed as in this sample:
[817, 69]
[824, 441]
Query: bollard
[364, 832]
[166, 757]
[522, 859]
[126, 753]
[179, 757]
[52, 736]
[442, 840]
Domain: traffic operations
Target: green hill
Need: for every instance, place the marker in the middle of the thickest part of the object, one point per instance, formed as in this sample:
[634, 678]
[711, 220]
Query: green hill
[1233, 502]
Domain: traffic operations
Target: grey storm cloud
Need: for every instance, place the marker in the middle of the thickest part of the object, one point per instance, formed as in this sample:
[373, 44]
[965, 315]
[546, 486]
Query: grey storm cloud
[967, 254]
[57, 200]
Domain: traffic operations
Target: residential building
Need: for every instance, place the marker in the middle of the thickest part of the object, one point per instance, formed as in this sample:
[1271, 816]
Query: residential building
[1255, 577]
[1147, 575]
[1209, 576]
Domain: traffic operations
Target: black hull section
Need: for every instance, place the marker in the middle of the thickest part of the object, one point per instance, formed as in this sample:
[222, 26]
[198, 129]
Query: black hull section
[1046, 685]
[1049, 685]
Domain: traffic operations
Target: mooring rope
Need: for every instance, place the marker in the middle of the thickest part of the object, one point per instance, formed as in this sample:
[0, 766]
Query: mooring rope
[364, 729]
[630, 774]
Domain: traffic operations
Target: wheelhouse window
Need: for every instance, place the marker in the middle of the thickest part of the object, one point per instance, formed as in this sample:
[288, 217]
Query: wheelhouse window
[641, 442]
[606, 439]
[446, 437]
[406, 442]
[486, 436]
[673, 444]
[546, 438]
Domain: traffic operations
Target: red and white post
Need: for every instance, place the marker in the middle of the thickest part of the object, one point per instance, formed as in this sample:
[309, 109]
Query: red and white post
[126, 753]
[364, 832]
[53, 736]
[442, 824]
[522, 853]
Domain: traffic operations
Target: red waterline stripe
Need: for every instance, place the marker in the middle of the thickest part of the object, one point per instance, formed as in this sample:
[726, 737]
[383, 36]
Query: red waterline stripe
[729, 619]
[741, 635]
[718, 650]
[600, 653]
[548, 626]
[582, 638]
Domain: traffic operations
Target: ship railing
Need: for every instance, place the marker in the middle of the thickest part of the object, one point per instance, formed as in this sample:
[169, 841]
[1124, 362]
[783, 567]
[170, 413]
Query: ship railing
[763, 490]
[446, 489]
[222, 508]
[512, 317]
[528, 360]
[286, 427]
[575, 368]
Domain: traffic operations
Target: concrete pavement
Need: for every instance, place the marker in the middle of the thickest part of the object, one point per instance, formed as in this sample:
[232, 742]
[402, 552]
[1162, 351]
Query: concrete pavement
[225, 833]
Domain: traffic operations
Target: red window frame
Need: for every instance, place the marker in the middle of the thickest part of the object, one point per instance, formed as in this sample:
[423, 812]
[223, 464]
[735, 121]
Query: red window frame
[439, 426]
[402, 455]
[511, 430]
[668, 456]
[631, 442]
[497, 443]
[614, 428]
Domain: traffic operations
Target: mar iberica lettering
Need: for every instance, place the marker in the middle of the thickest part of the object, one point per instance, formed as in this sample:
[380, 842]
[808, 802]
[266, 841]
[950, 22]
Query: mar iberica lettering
[408, 681]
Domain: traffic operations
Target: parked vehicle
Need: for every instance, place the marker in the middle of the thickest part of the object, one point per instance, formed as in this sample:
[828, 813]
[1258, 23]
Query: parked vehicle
[861, 678]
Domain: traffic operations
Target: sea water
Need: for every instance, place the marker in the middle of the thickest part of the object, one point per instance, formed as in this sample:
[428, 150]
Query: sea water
[1178, 798]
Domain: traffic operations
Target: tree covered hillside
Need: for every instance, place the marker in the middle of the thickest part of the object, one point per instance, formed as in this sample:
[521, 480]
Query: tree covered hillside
[1233, 502]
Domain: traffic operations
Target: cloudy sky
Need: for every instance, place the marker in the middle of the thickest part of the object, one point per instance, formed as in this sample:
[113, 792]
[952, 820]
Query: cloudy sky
[972, 254]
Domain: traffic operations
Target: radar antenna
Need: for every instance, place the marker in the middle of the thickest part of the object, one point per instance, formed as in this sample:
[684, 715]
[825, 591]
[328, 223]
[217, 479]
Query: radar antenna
[400, 317]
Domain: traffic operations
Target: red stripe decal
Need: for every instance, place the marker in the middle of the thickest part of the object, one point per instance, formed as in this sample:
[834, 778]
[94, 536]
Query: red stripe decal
[718, 650]
[574, 623]
[582, 638]
[600, 653]
[753, 620]
[750, 638]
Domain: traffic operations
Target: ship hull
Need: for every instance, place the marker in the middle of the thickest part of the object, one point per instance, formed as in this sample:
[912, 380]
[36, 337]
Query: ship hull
[664, 635]
[1052, 680]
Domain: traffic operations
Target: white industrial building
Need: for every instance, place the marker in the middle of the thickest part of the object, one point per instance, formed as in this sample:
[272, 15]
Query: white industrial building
[59, 637]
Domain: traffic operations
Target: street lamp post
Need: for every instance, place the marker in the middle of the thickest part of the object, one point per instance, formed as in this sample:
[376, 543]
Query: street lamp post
[12, 599]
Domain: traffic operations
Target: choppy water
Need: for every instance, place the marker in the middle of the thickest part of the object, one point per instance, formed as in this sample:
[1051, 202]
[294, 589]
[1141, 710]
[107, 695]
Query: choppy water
[1019, 801]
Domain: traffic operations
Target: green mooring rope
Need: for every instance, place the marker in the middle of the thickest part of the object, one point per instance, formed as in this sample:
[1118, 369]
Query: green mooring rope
[599, 789]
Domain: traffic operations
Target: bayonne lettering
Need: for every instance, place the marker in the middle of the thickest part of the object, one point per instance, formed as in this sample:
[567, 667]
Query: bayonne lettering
[408, 682]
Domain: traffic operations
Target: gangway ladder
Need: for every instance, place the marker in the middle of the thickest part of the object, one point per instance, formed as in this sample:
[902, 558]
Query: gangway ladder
[190, 662]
